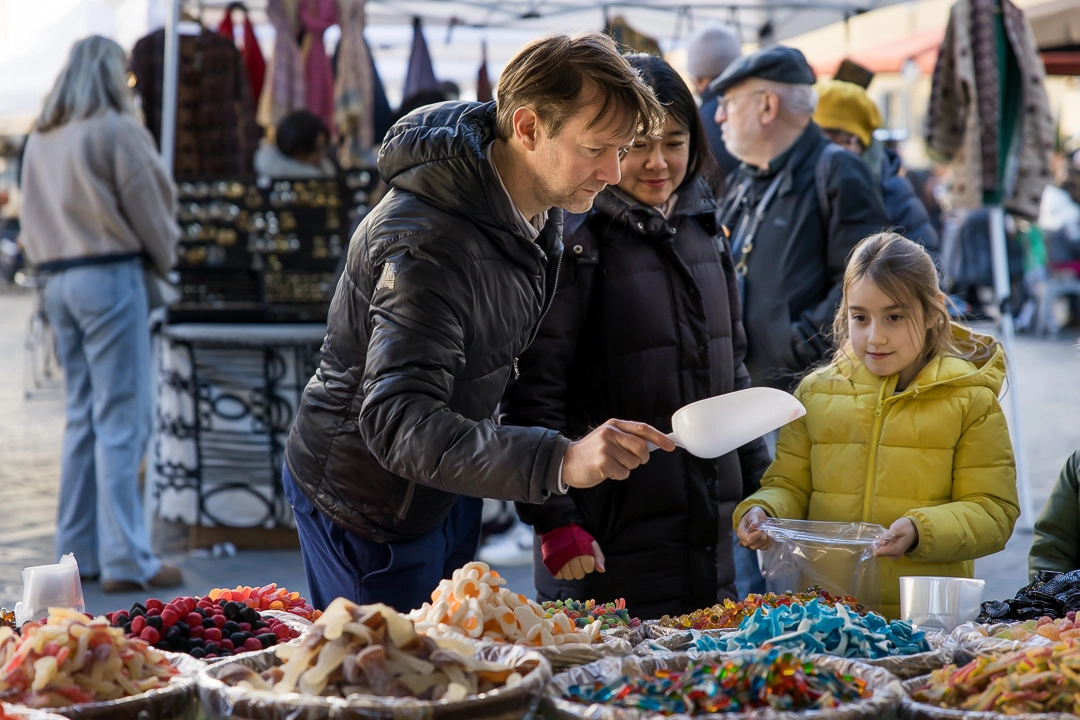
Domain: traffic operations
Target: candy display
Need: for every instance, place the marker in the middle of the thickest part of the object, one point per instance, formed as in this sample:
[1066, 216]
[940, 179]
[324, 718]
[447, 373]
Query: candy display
[781, 680]
[611, 615]
[7, 618]
[203, 628]
[820, 628]
[1065, 628]
[474, 604]
[372, 650]
[730, 614]
[1039, 679]
[1050, 594]
[267, 597]
[70, 659]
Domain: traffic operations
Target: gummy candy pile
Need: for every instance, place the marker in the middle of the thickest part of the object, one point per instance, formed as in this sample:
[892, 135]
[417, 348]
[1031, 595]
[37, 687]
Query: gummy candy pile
[818, 628]
[730, 614]
[771, 679]
[1037, 680]
[7, 618]
[1054, 630]
[70, 659]
[611, 615]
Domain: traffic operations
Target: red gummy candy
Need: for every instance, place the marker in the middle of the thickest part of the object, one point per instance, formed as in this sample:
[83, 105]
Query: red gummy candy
[212, 634]
[154, 603]
[169, 617]
[150, 635]
[193, 619]
[220, 620]
[138, 624]
[282, 631]
[197, 631]
[151, 612]
[245, 627]
[226, 643]
[252, 644]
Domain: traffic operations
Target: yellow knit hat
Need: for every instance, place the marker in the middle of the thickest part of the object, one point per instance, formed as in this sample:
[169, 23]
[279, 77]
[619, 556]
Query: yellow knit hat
[846, 106]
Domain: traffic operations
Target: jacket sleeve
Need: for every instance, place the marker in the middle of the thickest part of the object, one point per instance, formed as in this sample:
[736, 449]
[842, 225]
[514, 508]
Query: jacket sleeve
[980, 518]
[538, 395]
[787, 484]
[146, 195]
[754, 455]
[421, 319]
[946, 113]
[1057, 531]
[855, 212]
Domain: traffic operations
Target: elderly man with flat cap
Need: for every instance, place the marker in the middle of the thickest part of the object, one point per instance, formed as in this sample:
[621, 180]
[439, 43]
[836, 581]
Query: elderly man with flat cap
[795, 208]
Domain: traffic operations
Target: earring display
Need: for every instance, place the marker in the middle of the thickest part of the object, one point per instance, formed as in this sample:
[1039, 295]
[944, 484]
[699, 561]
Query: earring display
[268, 251]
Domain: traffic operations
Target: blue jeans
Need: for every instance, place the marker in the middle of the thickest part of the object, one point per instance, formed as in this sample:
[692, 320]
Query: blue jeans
[100, 315]
[339, 563]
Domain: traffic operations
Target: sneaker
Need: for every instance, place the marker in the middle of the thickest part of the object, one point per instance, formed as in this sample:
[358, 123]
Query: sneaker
[513, 547]
[168, 576]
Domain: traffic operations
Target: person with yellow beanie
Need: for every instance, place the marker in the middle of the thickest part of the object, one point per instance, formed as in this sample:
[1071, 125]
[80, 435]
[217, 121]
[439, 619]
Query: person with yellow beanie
[849, 117]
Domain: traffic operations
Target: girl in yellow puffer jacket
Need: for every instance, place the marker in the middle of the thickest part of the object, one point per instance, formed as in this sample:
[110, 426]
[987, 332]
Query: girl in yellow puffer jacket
[903, 428]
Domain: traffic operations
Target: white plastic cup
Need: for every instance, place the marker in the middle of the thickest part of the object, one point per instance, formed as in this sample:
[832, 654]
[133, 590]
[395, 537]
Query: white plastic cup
[939, 602]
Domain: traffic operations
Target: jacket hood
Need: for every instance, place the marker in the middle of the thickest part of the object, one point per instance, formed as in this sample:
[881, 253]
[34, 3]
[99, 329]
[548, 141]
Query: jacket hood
[694, 199]
[439, 151]
[983, 364]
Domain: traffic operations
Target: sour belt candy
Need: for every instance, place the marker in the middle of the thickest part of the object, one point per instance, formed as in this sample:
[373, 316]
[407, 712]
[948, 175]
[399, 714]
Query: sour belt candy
[473, 604]
[611, 615]
[771, 679]
[730, 614]
[1041, 679]
[818, 628]
[70, 659]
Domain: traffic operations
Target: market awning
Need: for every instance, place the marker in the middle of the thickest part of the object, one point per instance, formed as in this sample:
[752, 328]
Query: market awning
[921, 47]
[1056, 23]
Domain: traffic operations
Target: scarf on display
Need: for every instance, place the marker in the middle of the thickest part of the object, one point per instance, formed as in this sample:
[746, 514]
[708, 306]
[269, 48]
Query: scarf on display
[315, 17]
[483, 82]
[251, 54]
[285, 92]
[421, 75]
[354, 88]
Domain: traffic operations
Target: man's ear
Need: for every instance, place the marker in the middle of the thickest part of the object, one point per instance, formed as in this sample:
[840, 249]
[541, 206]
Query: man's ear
[526, 127]
[769, 109]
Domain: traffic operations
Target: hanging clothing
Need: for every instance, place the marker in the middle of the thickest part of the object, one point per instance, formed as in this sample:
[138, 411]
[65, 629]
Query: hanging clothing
[421, 75]
[216, 133]
[286, 90]
[251, 54]
[623, 34]
[354, 87]
[315, 17]
[483, 82]
[966, 119]
[382, 114]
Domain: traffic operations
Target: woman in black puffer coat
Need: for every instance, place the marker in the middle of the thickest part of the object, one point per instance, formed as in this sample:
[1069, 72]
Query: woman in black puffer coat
[646, 319]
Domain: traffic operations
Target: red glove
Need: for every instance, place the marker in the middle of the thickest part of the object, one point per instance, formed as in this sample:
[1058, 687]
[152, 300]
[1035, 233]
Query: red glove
[570, 552]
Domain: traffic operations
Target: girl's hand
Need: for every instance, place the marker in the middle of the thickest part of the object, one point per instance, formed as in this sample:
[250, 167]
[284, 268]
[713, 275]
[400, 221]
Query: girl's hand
[749, 531]
[901, 537]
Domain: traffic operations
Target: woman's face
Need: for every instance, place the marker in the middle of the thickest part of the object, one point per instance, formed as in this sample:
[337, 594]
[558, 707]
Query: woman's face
[654, 168]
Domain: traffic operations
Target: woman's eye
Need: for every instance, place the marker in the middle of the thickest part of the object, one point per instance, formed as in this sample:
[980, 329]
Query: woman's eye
[858, 318]
[896, 318]
[677, 145]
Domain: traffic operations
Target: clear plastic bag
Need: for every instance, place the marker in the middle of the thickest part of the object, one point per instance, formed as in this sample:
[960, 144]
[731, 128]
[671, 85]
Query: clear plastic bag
[836, 556]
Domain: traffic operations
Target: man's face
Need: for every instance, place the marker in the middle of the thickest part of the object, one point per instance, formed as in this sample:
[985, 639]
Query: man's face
[572, 168]
[737, 115]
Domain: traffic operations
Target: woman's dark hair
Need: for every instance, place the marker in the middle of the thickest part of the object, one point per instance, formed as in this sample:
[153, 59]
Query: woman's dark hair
[674, 95]
[298, 133]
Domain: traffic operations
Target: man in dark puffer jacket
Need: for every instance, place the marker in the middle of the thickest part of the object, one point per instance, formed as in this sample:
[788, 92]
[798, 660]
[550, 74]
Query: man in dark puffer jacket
[445, 283]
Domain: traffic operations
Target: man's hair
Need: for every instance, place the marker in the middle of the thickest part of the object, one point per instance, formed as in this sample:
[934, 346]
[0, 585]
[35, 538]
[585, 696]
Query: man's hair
[552, 75]
[93, 81]
[298, 133]
[798, 100]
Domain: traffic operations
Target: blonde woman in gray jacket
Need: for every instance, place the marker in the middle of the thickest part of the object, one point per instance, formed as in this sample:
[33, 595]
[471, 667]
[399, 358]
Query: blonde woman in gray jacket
[98, 203]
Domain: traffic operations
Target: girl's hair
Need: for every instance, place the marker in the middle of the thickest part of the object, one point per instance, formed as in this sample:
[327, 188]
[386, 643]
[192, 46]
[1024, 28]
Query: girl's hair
[674, 95]
[904, 271]
[93, 80]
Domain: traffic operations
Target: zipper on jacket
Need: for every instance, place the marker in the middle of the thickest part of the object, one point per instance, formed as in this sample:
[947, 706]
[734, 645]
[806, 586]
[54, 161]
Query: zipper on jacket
[549, 300]
[871, 471]
[517, 374]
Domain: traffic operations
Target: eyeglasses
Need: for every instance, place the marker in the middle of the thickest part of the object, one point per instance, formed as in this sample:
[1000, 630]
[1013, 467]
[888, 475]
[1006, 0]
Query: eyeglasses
[724, 101]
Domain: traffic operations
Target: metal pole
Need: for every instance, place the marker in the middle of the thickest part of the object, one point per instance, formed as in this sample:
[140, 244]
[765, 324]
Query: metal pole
[169, 82]
[1002, 291]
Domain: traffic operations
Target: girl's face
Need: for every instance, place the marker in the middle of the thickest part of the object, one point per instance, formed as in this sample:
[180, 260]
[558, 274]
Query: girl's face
[887, 339]
[654, 168]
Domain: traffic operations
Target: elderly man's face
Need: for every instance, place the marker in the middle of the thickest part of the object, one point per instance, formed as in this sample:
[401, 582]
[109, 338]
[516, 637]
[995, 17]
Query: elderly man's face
[737, 115]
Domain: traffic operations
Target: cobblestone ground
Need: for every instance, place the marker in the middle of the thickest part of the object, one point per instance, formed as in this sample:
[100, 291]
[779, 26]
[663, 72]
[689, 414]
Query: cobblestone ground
[31, 430]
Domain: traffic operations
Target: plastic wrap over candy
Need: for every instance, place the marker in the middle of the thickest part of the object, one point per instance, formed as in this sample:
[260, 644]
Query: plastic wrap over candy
[911, 710]
[10, 711]
[574, 654]
[654, 630]
[174, 702]
[971, 639]
[222, 701]
[676, 640]
[881, 705]
[630, 635]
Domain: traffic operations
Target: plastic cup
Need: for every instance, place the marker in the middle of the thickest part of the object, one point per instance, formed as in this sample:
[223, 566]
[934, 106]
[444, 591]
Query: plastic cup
[939, 602]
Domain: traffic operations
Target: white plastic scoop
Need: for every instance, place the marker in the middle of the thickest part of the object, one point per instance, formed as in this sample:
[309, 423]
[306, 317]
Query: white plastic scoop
[715, 426]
